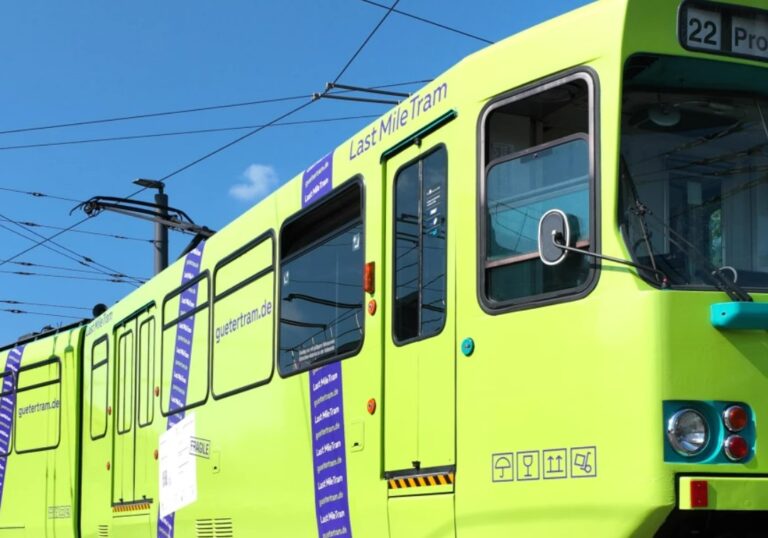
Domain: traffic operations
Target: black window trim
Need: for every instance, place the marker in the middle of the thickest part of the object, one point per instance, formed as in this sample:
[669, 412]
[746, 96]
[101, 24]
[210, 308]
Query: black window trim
[590, 77]
[55, 359]
[102, 363]
[242, 251]
[420, 157]
[133, 317]
[204, 275]
[150, 385]
[120, 406]
[356, 180]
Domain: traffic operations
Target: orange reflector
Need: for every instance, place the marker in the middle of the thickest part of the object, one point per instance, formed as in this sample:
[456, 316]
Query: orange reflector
[372, 306]
[699, 494]
[371, 406]
[369, 277]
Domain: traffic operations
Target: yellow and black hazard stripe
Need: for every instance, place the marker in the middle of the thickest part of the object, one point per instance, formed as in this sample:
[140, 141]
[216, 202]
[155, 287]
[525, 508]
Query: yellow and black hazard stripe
[131, 507]
[422, 480]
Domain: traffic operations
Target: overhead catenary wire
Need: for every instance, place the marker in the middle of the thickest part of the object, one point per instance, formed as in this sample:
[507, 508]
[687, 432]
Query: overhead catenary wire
[430, 22]
[188, 110]
[76, 259]
[79, 258]
[179, 133]
[43, 241]
[219, 149]
[46, 314]
[365, 41]
[277, 119]
[37, 194]
[68, 277]
[87, 232]
[74, 270]
[26, 303]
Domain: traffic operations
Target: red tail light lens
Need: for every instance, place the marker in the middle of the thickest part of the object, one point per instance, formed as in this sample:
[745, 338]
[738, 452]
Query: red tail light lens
[736, 448]
[735, 418]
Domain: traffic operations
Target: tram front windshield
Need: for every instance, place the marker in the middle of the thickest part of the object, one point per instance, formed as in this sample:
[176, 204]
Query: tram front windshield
[694, 170]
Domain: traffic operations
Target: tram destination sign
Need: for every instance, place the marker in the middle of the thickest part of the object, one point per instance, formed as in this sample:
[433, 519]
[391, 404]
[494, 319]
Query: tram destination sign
[724, 29]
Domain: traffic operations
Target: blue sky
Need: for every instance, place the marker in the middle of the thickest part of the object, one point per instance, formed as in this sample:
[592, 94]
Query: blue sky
[67, 62]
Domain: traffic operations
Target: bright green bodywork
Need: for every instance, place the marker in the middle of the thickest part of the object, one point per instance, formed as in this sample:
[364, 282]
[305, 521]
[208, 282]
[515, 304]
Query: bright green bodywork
[583, 380]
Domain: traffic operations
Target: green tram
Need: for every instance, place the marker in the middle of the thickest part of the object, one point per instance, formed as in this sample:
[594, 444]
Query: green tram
[527, 301]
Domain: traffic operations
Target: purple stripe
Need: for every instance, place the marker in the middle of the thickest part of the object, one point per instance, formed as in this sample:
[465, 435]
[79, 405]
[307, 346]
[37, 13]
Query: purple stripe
[329, 452]
[182, 356]
[7, 411]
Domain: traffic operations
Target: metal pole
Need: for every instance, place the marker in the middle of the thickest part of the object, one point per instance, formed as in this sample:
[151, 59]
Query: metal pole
[161, 233]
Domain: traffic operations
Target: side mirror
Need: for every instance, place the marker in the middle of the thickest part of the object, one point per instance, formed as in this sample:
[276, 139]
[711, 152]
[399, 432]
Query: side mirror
[554, 234]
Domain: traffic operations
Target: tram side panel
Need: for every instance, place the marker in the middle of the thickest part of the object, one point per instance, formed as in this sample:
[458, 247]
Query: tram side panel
[38, 428]
[548, 365]
[258, 445]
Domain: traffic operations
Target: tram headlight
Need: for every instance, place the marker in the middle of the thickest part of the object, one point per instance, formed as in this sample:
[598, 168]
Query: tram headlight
[687, 432]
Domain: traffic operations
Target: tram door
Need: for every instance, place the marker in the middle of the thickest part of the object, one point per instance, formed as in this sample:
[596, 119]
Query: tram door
[419, 356]
[134, 467]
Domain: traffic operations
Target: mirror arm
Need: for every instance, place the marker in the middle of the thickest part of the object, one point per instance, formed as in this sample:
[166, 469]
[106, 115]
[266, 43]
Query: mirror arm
[663, 280]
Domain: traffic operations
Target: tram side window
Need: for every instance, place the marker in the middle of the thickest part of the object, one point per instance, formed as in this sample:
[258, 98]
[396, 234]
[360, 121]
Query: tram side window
[99, 387]
[184, 358]
[38, 406]
[420, 247]
[538, 155]
[7, 401]
[243, 334]
[146, 381]
[321, 283]
[125, 380]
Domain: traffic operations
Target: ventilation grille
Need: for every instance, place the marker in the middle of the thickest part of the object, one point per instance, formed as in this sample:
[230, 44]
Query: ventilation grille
[103, 531]
[220, 527]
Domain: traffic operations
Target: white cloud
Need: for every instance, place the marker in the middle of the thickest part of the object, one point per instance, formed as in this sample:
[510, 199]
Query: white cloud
[260, 181]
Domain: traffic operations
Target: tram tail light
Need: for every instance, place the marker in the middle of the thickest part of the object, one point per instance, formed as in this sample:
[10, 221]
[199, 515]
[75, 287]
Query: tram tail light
[735, 418]
[736, 448]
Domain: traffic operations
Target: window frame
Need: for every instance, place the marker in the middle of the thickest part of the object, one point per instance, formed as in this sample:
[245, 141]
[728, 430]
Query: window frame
[590, 77]
[104, 362]
[358, 181]
[420, 157]
[150, 319]
[203, 275]
[738, 93]
[55, 359]
[120, 407]
[254, 277]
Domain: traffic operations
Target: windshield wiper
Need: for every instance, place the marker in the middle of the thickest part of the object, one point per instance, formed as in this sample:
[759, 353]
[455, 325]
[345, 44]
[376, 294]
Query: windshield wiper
[716, 274]
[640, 210]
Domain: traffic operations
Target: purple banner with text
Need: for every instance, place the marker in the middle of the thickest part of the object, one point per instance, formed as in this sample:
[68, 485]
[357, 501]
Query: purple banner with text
[329, 452]
[182, 357]
[317, 180]
[8, 409]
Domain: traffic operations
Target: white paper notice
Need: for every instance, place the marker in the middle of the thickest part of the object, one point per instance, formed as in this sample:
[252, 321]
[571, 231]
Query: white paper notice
[178, 467]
